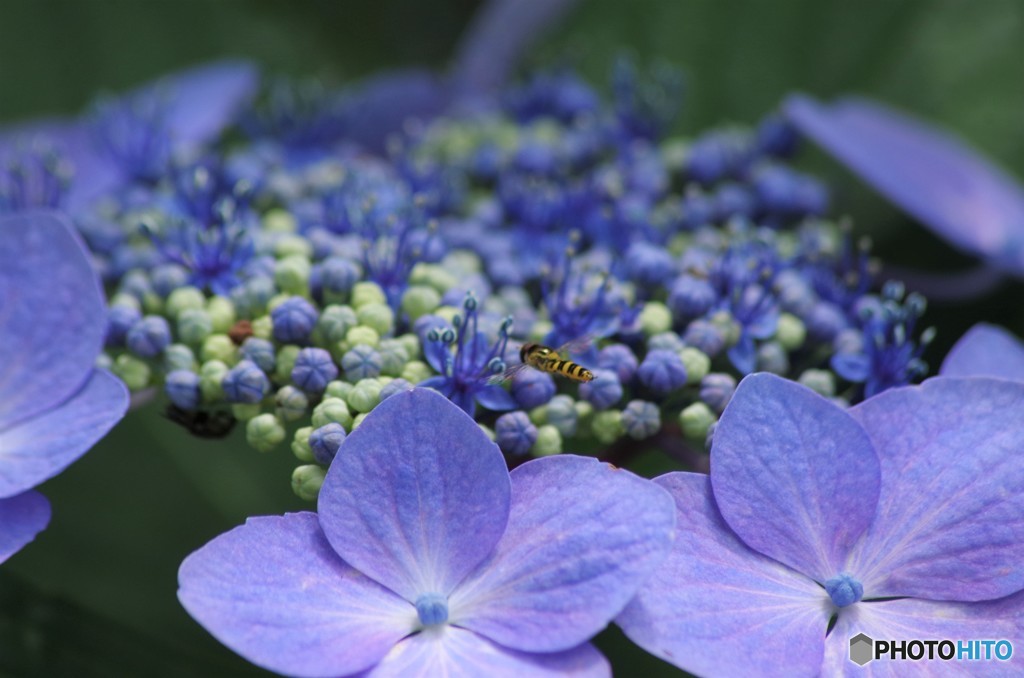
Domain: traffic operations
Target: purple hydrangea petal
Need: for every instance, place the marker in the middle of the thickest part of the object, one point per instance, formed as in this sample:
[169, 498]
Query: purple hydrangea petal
[908, 618]
[40, 448]
[275, 592]
[52, 316]
[950, 522]
[794, 475]
[496, 398]
[985, 351]
[457, 653]
[417, 496]
[716, 607]
[204, 100]
[22, 517]
[582, 536]
[929, 173]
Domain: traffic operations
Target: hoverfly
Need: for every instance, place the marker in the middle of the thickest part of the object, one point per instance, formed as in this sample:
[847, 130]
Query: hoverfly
[547, 359]
[217, 424]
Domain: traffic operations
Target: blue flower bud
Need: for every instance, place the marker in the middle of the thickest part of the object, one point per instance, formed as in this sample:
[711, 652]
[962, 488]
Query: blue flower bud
[844, 589]
[325, 442]
[604, 391]
[824, 321]
[313, 369]
[705, 336]
[620, 359]
[690, 297]
[394, 386]
[734, 200]
[120, 319]
[667, 341]
[532, 388]
[337, 276]
[149, 337]
[515, 433]
[261, 352]
[293, 320]
[562, 414]
[771, 357]
[245, 383]
[250, 299]
[641, 419]
[182, 389]
[649, 264]
[361, 362]
[168, 277]
[662, 371]
[716, 390]
[794, 293]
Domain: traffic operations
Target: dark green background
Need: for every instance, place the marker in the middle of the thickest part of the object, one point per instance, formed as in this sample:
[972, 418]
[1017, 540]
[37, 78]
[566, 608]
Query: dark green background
[94, 595]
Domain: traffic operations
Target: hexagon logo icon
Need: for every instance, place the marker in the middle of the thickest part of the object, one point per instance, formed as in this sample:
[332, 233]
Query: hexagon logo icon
[861, 649]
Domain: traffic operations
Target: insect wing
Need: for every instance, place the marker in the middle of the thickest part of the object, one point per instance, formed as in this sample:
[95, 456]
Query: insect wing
[508, 374]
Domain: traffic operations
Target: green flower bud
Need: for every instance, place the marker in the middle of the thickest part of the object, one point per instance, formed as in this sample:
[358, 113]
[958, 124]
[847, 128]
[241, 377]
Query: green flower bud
[179, 357]
[538, 415]
[245, 411]
[222, 313]
[696, 362]
[124, 299]
[291, 275]
[463, 261]
[655, 317]
[332, 325]
[331, 409]
[291, 403]
[360, 334]
[367, 292]
[607, 426]
[104, 362]
[358, 420]
[293, 246]
[411, 343]
[416, 371]
[264, 432]
[419, 300]
[378, 317]
[434, 276]
[448, 313]
[219, 347]
[365, 395]
[279, 221]
[286, 356]
[393, 357]
[263, 327]
[307, 481]
[300, 444]
[152, 304]
[277, 300]
[194, 326]
[730, 329]
[134, 372]
[183, 298]
[338, 389]
[488, 432]
[583, 410]
[695, 420]
[540, 329]
[790, 332]
[210, 376]
[549, 441]
[819, 381]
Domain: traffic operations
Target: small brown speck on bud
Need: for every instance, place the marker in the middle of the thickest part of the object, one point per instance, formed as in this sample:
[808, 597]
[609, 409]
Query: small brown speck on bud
[241, 331]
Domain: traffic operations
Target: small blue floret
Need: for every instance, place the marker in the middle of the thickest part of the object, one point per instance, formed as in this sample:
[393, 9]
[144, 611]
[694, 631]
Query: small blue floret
[325, 442]
[432, 609]
[293, 320]
[245, 383]
[149, 336]
[313, 369]
[844, 590]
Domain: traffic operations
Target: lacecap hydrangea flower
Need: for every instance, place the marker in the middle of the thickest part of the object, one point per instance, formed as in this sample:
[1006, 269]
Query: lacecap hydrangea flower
[900, 518]
[427, 557]
[53, 404]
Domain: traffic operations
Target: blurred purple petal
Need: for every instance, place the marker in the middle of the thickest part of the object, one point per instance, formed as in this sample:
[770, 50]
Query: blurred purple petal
[52, 314]
[378, 106]
[909, 618]
[582, 535]
[986, 351]
[794, 475]
[715, 607]
[950, 521]
[41, 447]
[417, 495]
[456, 653]
[497, 39]
[496, 398]
[22, 517]
[929, 173]
[274, 591]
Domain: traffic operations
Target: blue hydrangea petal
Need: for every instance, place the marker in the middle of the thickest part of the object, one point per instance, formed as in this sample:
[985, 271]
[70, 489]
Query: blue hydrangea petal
[926, 619]
[985, 351]
[417, 495]
[52, 316]
[582, 536]
[716, 607]
[950, 522]
[794, 475]
[936, 178]
[22, 517]
[457, 653]
[275, 592]
[496, 398]
[43, 446]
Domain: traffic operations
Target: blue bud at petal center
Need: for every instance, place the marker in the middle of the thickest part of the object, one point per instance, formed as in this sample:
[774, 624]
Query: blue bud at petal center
[432, 609]
[844, 590]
